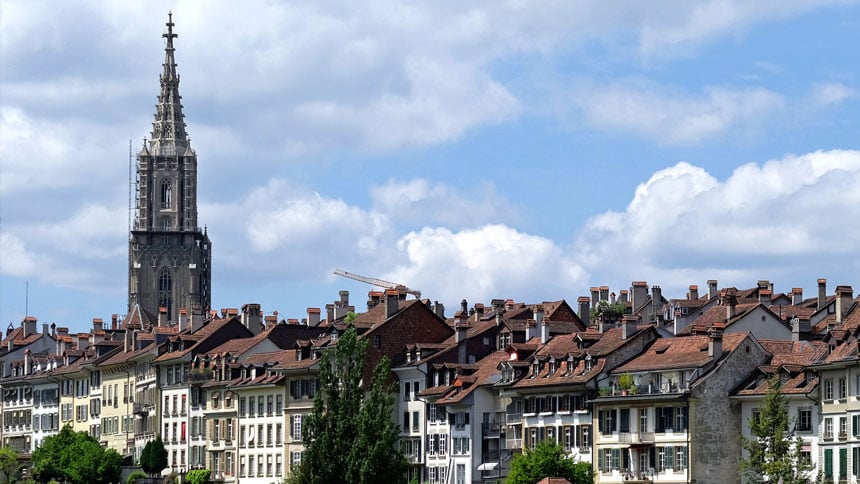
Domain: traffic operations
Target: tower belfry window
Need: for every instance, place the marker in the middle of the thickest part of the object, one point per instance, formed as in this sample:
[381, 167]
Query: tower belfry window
[166, 194]
[165, 290]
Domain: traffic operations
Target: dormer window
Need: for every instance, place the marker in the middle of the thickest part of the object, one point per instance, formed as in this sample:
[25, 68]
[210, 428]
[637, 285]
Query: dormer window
[589, 363]
[298, 354]
[535, 368]
[552, 367]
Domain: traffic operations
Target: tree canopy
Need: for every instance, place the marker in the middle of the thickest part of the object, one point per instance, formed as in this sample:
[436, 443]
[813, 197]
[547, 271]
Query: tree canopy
[548, 459]
[350, 436]
[773, 451]
[153, 457]
[75, 457]
[198, 476]
[8, 463]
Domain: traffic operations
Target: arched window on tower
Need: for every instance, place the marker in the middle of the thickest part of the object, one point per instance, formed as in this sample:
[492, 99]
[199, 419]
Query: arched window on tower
[165, 290]
[166, 194]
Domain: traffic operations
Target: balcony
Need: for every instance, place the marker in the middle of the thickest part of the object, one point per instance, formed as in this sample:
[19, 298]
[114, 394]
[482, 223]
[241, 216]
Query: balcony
[514, 443]
[414, 458]
[636, 437]
[141, 408]
[492, 429]
[514, 417]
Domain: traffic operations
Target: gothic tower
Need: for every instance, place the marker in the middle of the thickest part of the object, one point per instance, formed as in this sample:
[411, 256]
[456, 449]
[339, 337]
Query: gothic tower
[169, 256]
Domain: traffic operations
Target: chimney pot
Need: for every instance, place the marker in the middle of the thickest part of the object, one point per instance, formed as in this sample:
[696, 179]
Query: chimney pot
[712, 288]
[822, 293]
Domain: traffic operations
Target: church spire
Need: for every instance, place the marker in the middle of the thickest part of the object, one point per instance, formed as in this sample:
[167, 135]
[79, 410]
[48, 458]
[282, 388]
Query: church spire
[168, 135]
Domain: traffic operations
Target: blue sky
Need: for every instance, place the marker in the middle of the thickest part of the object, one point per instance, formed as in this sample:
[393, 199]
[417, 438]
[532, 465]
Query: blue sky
[498, 150]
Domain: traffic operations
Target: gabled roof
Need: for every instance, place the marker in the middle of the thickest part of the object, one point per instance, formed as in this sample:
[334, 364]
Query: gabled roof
[464, 385]
[680, 352]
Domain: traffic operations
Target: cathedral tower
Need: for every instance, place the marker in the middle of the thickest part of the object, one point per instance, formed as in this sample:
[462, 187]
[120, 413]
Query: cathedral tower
[169, 256]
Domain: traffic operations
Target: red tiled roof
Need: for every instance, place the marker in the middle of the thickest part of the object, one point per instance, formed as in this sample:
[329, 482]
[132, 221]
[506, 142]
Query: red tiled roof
[678, 352]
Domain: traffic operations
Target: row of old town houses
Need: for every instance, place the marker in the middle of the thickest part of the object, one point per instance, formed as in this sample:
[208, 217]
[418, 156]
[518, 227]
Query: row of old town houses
[646, 388]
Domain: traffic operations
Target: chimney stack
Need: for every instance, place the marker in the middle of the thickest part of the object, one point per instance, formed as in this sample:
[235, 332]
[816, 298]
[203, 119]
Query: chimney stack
[844, 297]
[712, 288]
[344, 298]
[622, 296]
[796, 296]
[715, 345]
[584, 309]
[329, 313]
[98, 324]
[801, 329]
[45, 329]
[392, 302]
[640, 294]
[373, 298]
[313, 316]
[162, 316]
[822, 293]
[694, 292]
[542, 326]
[657, 303]
[628, 326]
[604, 293]
[612, 298]
[183, 319]
[252, 317]
[731, 302]
[479, 311]
[439, 309]
[29, 326]
[114, 321]
[595, 295]
[765, 296]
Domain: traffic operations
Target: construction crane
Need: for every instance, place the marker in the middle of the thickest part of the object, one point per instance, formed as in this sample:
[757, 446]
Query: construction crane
[373, 281]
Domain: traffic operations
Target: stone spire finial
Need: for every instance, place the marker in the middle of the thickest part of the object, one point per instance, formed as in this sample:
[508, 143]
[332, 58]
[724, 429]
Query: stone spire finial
[168, 128]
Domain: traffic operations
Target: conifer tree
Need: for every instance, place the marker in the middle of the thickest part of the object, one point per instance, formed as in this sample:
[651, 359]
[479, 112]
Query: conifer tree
[774, 452]
[350, 436]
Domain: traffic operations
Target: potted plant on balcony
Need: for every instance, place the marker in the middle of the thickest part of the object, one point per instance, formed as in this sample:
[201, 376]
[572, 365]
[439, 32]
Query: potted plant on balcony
[625, 381]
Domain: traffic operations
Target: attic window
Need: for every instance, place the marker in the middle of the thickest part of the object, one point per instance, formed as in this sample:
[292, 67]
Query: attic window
[552, 368]
[535, 368]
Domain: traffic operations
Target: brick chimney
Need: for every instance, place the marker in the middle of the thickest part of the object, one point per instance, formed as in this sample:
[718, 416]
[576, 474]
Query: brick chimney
[479, 311]
[712, 288]
[98, 324]
[822, 293]
[844, 297]
[765, 296]
[715, 344]
[114, 321]
[584, 309]
[595, 295]
[392, 302]
[329, 312]
[694, 292]
[796, 296]
[604, 293]
[313, 316]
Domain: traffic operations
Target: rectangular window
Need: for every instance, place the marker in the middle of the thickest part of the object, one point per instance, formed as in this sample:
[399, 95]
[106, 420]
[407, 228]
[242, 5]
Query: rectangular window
[243, 403]
[804, 420]
[251, 466]
[828, 389]
[843, 427]
[270, 405]
[843, 388]
[279, 404]
[828, 429]
[279, 432]
[251, 406]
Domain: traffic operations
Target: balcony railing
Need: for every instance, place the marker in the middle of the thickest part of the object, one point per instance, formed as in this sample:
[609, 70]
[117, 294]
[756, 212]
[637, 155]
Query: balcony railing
[514, 443]
[514, 417]
[413, 458]
[492, 428]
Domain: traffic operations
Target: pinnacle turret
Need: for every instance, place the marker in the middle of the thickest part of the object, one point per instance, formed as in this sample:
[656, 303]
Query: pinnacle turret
[168, 135]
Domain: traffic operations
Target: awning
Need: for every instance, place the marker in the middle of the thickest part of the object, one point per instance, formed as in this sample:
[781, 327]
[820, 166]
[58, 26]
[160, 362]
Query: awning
[487, 466]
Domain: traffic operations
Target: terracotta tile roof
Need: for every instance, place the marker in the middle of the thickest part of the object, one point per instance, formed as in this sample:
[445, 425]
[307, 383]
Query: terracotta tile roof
[611, 340]
[796, 382]
[563, 375]
[138, 318]
[376, 314]
[678, 352]
[845, 352]
[265, 379]
[485, 374]
[800, 353]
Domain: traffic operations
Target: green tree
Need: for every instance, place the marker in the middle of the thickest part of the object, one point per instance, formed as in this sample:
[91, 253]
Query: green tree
[198, 476]
[75, 457]
[350, 436]
[548, 460]
[8, 462]
[153, 457]
[774, 452]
